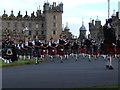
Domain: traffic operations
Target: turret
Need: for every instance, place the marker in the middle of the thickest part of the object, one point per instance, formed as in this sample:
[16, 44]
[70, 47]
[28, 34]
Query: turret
[82, 31]
[97, 23]
[66, 28]
[12, 15]
[61, 7]
[45, 7]
[91, 23]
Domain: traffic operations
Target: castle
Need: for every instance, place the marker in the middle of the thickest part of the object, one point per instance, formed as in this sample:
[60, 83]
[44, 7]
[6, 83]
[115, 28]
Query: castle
[96, 29]
[44, 24]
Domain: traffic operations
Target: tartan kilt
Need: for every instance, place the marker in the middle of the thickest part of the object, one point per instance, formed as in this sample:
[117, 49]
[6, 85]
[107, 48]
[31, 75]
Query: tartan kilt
[60, 50]
[36, 52]
[43, 52]
[95, 53]
[51, 52]
[109, 49]
[82, 50]
[117, 50]
[72, 50]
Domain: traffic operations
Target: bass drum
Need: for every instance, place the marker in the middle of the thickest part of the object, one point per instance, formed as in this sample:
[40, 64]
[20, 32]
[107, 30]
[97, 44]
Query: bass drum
[9, 52]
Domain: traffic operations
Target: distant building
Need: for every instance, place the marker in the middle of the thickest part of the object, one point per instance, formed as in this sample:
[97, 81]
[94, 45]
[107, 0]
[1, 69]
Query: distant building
[82, 31]
[66, 32]
[44, 24]
[116, 23]
[96, 30]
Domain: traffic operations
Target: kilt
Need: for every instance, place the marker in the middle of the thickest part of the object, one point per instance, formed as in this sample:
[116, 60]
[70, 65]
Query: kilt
[72, 50]
[109, 49]
[36, 52]
[89, 50]
[67, 51]
[20, 52]
[76, 51]
[82, 50]
[60, 50]
[51, 52]
[117, 50]
[43, 52]
[29, 51]
[95, 53]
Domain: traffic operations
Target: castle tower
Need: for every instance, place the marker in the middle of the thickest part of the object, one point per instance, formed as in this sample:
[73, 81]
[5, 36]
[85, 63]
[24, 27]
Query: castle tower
[82, 31]
[66, 32]
[53, 20]
[96, 29]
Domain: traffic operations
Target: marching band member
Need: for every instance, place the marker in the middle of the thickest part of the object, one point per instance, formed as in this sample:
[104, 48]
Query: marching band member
[109, 41]
[19, 49]
[102, 49]
[88, 44]
[9, 50]
[52, 49]
[24, 50]
[76, 47]
[44, 46]
[67, 48]
[36, 45]
[95, 49]
[83, 48]
[29, 46]
[60, 47]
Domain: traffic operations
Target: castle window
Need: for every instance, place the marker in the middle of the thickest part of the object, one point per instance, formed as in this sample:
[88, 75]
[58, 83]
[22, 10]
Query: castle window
[54, 17]
[15, 24]
[54, 32]
[36, 32]
[54, 25]
[42, 25]
[42, 32]
[36, 25]
[23, 24]
[30, 25]
[8, 24]
[30, 33]
[8, 31]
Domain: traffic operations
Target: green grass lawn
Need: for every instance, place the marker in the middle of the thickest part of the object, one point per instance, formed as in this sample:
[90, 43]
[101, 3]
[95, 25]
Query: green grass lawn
[19, 62]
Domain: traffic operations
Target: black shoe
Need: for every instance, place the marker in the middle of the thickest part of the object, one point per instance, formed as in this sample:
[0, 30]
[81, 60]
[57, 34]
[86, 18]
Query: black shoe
[89, 60]
[110, 67]
[107, 66]
[61, 61]
[76, 60]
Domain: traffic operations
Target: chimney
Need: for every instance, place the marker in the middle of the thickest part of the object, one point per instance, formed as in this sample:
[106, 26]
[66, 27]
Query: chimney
[93, 21]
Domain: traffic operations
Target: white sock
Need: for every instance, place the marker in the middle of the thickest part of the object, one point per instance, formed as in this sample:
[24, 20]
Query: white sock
[24, 57]
[8, 61]
[5, 61]
[110, 61]
[61, 57]
[89, 57]
[76, 56]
